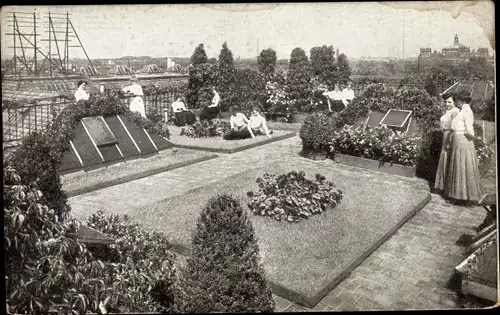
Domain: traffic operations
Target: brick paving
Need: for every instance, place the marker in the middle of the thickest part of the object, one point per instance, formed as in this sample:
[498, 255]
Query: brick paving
[411, 270]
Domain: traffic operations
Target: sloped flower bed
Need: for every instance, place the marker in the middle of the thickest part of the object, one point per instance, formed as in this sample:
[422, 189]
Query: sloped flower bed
[205, 129]
[292, 197]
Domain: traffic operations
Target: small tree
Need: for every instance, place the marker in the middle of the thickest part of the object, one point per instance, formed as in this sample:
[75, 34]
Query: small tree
[297, 57]
[223, 274]
[323, 64]
[199, 55]
[226, 76]
[267, 61]
[343, 68]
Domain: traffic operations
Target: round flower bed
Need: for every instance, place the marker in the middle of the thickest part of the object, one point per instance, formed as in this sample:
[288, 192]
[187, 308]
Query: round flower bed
[203, 129]
[293, 197]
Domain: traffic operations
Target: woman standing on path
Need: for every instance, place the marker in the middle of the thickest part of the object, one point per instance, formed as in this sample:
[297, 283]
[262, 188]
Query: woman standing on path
[136, 103]
[462, 178]
[451, 112]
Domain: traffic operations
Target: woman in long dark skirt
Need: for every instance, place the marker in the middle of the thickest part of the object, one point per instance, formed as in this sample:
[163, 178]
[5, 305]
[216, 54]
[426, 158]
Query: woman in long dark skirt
[446, 119]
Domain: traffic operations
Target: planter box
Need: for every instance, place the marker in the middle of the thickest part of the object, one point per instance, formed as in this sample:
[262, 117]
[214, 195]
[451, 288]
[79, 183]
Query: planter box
[396, 169]
[312, 154]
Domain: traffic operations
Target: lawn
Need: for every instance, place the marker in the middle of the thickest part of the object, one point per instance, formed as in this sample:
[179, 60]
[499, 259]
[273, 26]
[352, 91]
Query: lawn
[303, 261]
[83, 182]
[218, 144]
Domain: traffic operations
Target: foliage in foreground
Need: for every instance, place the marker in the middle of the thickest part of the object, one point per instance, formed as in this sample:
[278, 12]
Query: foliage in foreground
[223, 274]
[49, 269]
[206, 128]
[292, 197]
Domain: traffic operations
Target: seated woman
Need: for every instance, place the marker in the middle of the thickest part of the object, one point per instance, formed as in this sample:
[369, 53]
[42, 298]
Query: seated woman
[334, 99]
[183, 116]
[211, 111]
[258, 123]
[240, 126]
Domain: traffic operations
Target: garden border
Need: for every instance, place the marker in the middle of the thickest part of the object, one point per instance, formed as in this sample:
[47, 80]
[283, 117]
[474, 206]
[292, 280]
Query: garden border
[133, 177]
[291, 134]
[375, 165]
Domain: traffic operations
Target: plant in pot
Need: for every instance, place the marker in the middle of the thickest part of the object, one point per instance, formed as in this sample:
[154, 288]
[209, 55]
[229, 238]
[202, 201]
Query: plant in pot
[316, 134]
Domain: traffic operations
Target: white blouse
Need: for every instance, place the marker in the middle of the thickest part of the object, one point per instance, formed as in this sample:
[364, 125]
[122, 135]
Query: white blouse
[464, 121]
[81, 95]
[448, 117]
[135, 89]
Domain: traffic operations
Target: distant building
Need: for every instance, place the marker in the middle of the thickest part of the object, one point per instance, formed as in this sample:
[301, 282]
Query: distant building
[455, 52]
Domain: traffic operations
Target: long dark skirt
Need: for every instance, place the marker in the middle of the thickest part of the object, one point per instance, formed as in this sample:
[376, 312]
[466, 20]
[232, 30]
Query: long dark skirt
[440, 182]
[184, 117]
[209, 113]
[237, 134]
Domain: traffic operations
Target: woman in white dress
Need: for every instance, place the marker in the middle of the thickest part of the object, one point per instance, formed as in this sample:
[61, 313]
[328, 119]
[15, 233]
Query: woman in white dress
[80, 93]
[136, 102]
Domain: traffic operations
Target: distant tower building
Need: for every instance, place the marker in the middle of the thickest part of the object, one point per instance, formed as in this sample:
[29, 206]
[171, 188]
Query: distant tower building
[425, 51]
[455, 41]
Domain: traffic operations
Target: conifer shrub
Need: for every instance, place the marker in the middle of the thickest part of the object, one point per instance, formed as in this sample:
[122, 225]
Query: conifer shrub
[223, 273]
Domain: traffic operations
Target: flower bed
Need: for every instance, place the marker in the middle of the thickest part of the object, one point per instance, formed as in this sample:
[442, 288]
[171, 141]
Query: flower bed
[381, 144]
[293, 197]
[204, 129]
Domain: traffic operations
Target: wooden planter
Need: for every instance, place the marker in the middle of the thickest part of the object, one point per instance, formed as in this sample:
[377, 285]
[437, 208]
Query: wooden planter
[385, 167]
[314, 154]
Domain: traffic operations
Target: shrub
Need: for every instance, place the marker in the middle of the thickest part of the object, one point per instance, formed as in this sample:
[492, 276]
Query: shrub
[279, 100]
[199, 55]
[381, 143]
[317, 131]
[226, 77]
[323, 65]
[200, 76]
[155, 116]
[137, 255]
[267, 61]
[250, 86]
[316, 100]
[223, 274]
[487, 108]
[291, 197]
[298, 80]
[343, 68]
[41, 261]
[204, 129]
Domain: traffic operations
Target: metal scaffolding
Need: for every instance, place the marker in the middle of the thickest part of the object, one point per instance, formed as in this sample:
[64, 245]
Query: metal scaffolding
[60, 34]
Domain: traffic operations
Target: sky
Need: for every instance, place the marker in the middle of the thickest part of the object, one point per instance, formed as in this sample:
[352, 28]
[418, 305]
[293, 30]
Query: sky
[356, 29]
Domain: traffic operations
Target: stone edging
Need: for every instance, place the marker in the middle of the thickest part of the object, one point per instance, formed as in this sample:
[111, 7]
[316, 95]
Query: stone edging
[234, 150]
[132, 177]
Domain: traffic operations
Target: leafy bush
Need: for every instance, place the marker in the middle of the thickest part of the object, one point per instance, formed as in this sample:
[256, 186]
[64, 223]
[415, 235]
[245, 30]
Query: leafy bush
[199, 55]
[42, 261]
[155, 116]
[201, 76]
[206, 128]
[267, 61]
[483, 152]
[226, 77]
[487, 108]
[149, 253]
[381, 143]
[48, 269]
[316, 101]
[323, 65]
[292, 197]
[223, 274]
[250, 86]
[279, 100]
[317, 131]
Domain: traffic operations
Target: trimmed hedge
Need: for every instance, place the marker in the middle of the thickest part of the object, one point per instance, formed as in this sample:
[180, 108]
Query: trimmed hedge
[223, 274]
[204, 129]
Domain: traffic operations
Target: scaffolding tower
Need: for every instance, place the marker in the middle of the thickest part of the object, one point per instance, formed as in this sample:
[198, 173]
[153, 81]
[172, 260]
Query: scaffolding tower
[60, 34]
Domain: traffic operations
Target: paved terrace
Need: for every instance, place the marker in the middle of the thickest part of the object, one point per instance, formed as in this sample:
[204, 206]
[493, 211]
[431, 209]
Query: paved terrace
[409, 271]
